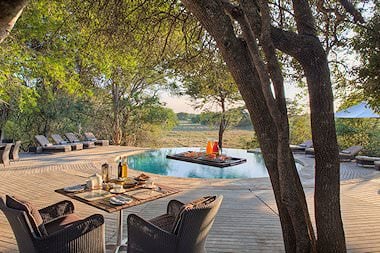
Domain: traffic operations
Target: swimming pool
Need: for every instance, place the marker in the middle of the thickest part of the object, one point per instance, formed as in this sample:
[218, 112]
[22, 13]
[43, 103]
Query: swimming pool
[155, 161]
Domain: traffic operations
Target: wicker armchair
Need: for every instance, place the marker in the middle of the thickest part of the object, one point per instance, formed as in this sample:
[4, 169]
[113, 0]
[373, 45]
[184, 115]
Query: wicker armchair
[60, 229]
[4, 154]
[182, 229]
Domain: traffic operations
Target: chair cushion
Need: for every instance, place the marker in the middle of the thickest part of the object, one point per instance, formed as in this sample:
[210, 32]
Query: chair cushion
[61, 223]
[197, 203]
[34, 216]
[164, 222]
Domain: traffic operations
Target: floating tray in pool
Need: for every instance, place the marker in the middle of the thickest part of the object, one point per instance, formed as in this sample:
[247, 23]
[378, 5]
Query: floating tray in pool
[202, 159]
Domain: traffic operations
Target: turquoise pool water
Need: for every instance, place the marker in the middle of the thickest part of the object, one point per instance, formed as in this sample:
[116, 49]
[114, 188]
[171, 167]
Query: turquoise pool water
[155, 161]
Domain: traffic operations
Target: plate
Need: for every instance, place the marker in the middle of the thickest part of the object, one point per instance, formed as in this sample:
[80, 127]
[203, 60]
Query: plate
[74, 188]
[118, 191]
[120, 200]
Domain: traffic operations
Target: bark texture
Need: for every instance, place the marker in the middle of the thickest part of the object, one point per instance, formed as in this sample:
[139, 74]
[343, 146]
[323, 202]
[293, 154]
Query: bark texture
[10, 11]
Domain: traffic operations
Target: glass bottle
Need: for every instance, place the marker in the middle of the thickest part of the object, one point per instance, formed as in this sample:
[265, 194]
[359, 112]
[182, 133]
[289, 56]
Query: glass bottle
[125, 168]
[209, 148]
[105, 172]
[215, 148]
[119, 169]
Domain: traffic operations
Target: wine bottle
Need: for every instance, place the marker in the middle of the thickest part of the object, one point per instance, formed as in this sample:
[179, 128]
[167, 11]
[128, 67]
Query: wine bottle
[119, 169]
[125, 168]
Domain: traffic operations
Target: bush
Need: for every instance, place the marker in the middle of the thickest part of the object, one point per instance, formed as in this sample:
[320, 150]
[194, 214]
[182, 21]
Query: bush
[300, 129]
[250, 143]
[363, 132]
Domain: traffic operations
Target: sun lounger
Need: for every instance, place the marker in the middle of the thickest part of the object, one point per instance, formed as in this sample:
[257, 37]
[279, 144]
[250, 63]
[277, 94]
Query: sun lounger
[377, 165]
[49, 147]
[60, 141]
[302, 147]
[367, 161]
[349, 153]
[91, 137]
[74, 139]
[344, 155]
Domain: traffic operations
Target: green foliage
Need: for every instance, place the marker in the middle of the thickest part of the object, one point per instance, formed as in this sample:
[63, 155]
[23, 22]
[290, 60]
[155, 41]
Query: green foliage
[67, 65]
[300, 128]
[367, 44]
[364, 132]
[196, 119]
[251, 143]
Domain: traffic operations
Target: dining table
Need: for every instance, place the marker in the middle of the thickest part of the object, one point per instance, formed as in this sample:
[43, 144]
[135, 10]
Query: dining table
[101, 199]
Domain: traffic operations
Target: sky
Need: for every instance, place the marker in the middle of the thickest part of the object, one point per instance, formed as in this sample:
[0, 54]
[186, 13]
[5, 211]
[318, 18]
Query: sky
[184, 104]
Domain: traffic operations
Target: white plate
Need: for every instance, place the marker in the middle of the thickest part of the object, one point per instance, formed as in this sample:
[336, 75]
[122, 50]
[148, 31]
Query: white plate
[74, 188]
[118, 191]
[120, 200]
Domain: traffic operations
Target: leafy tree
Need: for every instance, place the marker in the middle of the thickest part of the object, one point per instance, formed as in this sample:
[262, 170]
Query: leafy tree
[57, 77]
[207, 81]
[367, 44]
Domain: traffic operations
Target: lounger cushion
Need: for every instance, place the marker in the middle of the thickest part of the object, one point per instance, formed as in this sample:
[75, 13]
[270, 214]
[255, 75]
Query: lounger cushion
[63, 142]
[345, 152]
[48, 145]
[34, 216]
[62, 223]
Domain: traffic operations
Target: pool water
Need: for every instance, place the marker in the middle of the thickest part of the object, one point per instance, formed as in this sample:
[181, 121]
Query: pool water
[155, 161]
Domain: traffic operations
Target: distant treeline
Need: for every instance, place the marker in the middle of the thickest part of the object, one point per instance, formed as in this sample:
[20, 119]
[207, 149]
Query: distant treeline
[239, 117]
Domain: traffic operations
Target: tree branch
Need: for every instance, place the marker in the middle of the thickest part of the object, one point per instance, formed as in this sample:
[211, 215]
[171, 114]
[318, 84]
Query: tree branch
[272, 61]
[304, 18]
[350, 8]
[10, 11]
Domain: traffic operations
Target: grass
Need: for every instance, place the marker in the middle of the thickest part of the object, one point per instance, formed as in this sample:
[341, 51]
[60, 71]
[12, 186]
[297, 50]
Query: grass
[232, 138]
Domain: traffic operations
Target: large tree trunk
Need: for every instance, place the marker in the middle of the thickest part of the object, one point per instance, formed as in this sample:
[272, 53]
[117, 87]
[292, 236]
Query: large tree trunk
[327, 167]
[10, 11]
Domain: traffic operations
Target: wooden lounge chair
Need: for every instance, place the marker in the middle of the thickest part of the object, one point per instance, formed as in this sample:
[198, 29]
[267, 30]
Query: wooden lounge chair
[302, 147]
[49, 147]
[91, 137]
[54, 228]
[4, 153]
[60, 141]
[349, 154]
[183, 229]
[13, 155]
[74, 139]
[345, 155]
[366, 161]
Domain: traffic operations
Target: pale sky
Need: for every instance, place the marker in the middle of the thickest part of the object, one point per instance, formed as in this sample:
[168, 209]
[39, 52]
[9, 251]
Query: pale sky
[184, 104]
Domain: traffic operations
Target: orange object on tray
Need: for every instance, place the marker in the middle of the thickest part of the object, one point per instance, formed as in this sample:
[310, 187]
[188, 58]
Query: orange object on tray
[209, 148]
[215, 147]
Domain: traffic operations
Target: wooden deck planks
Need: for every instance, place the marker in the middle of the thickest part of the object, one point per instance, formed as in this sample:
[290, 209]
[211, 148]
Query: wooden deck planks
[246, 222]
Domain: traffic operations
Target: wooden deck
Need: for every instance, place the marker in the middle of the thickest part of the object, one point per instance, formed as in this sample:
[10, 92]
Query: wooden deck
[246, 222]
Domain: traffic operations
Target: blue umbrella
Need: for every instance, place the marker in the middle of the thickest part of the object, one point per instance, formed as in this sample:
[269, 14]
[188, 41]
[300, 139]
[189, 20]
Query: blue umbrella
[361, 110]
